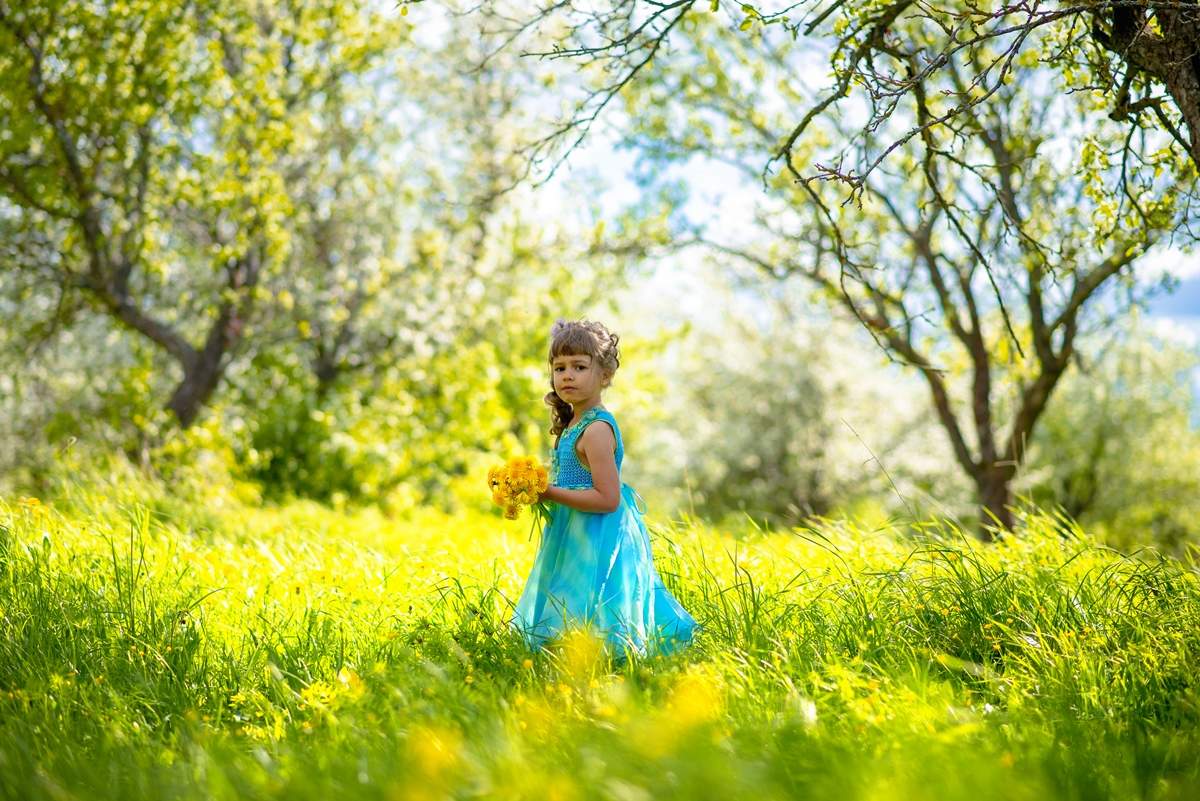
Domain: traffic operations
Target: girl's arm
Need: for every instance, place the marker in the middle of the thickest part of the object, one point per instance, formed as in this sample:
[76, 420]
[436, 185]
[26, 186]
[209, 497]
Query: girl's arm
[600, 446]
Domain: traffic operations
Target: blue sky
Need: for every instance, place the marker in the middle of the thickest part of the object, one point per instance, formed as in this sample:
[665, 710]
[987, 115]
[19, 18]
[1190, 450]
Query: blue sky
[1179, 315]
[1184, 302]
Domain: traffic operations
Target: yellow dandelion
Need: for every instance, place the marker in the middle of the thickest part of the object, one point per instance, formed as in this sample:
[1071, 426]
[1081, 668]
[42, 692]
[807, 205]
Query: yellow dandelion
[434, 750]
[351, 683]
[516, 483]
[582, 651]
[319, 693]
[695, 699]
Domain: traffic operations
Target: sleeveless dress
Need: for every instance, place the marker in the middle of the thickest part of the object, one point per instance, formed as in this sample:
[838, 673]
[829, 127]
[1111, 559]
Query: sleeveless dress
[595, 569]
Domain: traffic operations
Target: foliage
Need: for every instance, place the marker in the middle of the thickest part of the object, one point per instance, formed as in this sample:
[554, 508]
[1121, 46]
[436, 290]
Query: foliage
[301, 653]
[147, 159]
[410, 434]
[76, 398]
[877, 58]
[393, 287]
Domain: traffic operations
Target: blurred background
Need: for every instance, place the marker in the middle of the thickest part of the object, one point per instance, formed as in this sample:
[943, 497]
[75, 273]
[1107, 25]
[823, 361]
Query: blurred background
[279, 251]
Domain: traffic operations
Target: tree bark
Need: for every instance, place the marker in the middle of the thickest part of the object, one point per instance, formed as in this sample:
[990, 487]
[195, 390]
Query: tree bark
[202, 374]
[994, 484]
[1170, 55]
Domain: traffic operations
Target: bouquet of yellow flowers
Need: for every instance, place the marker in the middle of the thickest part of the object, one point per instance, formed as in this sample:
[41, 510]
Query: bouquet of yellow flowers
[518, 483]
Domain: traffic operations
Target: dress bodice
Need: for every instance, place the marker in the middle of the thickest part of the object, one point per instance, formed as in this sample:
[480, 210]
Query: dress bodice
[567, 470]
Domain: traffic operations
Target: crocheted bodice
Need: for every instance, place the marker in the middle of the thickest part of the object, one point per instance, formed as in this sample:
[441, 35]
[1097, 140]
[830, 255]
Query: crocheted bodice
[566, 469]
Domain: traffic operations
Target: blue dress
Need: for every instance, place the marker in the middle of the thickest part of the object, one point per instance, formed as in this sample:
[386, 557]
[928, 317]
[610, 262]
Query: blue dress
[595, 569]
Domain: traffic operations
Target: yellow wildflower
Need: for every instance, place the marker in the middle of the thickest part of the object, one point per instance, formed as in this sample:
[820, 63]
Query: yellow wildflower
[434, 749]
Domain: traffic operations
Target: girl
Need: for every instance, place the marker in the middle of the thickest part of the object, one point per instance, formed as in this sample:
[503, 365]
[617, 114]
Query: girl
[593, 567]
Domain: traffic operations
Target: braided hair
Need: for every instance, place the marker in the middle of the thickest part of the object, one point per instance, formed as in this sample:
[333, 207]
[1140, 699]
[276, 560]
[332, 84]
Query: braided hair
[578, 338]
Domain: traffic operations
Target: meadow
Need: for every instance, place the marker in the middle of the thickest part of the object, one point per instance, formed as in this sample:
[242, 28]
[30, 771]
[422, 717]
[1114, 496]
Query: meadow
[158, 645]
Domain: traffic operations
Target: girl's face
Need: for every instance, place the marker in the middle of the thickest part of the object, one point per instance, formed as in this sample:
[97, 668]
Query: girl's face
[576, 379]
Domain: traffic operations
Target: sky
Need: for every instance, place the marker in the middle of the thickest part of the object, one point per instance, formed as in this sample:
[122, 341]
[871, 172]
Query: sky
[1177, 315]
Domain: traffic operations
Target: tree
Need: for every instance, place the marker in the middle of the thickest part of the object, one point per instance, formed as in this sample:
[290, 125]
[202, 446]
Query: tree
[968, 263]
[950, 255]
[393, 217]
[406, 280]
[1123, 52]
[148, 151]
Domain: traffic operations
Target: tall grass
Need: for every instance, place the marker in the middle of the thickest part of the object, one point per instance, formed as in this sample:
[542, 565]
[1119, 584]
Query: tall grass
[295, 652]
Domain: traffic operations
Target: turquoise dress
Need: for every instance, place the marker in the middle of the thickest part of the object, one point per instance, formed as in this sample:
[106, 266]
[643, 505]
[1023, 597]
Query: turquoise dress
[595, 569]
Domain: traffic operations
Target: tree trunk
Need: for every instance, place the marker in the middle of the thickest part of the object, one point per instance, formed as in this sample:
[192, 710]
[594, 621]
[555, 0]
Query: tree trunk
[193, 392]
[327, 372]
[1169, 54]
[995, 494]
[1183, 83]
[203, 371]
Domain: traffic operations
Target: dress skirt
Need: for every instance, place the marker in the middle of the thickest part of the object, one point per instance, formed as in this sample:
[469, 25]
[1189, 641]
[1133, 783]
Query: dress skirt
[595, 571]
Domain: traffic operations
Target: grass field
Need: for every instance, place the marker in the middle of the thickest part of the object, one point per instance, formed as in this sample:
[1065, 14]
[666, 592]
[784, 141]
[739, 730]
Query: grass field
[152, 648]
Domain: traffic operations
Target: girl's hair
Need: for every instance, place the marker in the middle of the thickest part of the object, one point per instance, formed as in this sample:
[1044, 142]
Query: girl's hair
[582, 338]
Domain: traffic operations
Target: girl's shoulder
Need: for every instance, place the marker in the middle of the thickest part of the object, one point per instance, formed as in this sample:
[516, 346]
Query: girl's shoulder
[598, 413]
[595, 415]
[592, 415]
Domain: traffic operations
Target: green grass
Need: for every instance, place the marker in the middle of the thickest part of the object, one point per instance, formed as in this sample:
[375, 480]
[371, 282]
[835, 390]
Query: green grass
[229, 651]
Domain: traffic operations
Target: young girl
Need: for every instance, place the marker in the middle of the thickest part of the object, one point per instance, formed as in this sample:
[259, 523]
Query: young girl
[593, 568]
